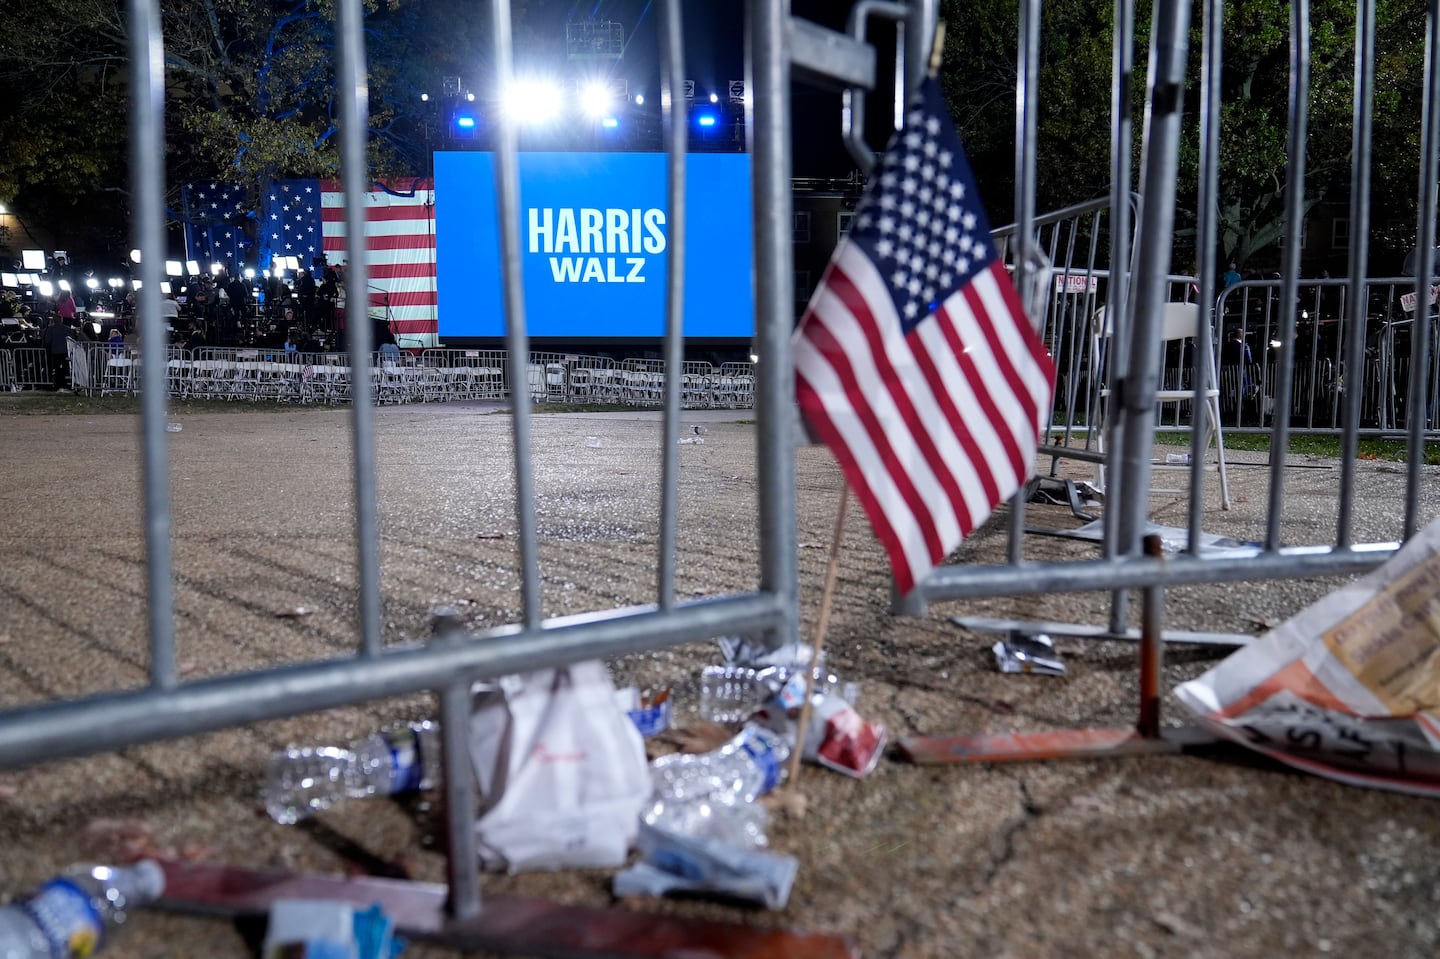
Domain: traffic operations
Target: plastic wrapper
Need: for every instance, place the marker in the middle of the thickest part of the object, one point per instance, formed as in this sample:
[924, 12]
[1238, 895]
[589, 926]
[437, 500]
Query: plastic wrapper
[650, 712]
[670, 863]
[1035, 655]
[837, 737]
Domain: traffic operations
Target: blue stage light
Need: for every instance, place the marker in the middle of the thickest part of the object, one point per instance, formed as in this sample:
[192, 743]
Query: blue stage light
[465, 122]
[610, 123]
[707, 120]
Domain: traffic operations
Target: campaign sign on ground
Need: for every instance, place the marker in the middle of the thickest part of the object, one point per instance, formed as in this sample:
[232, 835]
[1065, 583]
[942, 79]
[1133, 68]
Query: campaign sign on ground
[595, 242]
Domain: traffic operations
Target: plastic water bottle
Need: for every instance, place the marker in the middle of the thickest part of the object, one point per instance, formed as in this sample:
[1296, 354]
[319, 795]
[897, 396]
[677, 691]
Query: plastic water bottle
[731, 694]
[73, 914]
[713, 794]
[303, 780]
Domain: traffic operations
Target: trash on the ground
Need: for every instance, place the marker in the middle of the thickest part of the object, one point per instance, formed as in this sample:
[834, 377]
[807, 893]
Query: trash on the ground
[1177, 459]
[328, 929]
[1034, 655]
[699, 430]
[173, 427]
[840, 740]
[303, 780]
[674, 863]
[1173, 539]
[731, 693]
[489, 535]
[691, 440]
[310, 929]
[297, 612]
[836, 736]
[1349, 687]
[561, 770]
[650, 712]
[594, 442]
[713, 794]
[76, 913]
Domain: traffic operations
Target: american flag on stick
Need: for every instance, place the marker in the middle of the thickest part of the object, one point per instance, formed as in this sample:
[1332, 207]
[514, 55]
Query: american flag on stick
[915, 362]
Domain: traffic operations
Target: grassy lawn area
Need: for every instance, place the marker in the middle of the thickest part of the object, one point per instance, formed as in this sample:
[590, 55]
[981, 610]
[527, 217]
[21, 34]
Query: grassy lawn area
[1370, 449]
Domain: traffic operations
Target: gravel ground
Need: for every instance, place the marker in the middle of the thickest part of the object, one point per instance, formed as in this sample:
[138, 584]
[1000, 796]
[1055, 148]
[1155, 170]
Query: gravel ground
[1174, 856]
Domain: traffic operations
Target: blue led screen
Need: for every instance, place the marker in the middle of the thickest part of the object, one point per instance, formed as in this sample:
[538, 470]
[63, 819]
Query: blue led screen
[595, 240]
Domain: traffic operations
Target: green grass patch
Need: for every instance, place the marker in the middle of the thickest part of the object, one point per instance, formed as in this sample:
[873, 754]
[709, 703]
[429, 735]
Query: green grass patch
[1394, 451]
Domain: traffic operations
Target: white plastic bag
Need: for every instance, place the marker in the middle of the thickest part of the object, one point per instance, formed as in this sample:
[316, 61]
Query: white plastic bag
[561, 770]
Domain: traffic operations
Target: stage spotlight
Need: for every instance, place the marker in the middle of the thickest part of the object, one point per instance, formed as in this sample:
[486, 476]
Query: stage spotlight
[249, 274]
[137, 284]
[639, 99]
[706, 120]
[174, 268]
[465, 121]
[192, 267]
[46, 288]
[32, 259]
[165, 287]
[610, 123]
[714, 98]
[595, 100]
[65, 285]
[92, 283]
[215, 268]
[134, 256]
[533, 101]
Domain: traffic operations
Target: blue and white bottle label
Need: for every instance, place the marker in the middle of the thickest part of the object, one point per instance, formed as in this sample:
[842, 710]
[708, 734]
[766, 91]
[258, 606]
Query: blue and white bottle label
[758, 747]
[405, 760]
[64, 912]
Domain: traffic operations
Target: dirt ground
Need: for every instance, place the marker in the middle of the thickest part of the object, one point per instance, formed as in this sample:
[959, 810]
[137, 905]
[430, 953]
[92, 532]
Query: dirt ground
[1176, 856]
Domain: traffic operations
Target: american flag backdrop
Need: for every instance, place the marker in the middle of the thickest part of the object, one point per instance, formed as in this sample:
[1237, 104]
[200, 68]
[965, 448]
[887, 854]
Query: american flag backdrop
[306, 219]
[914, 361]
[214, 215]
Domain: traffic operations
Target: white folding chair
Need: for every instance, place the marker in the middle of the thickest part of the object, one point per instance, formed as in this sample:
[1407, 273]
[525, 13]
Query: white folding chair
[1179, 322]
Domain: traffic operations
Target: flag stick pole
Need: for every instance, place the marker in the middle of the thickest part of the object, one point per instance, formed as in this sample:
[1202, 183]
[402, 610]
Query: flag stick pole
[818, 643]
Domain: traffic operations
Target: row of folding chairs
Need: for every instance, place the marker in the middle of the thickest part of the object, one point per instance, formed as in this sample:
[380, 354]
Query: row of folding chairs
[433, 376]
[637, 382]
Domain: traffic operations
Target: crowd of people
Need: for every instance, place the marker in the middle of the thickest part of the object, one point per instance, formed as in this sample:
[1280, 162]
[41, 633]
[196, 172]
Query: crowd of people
[222, 309]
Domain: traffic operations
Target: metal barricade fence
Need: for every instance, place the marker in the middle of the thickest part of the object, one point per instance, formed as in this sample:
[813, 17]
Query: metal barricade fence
[1296, 386]
[170, 708]
[449, 664]
[7, 372]
[30, 366]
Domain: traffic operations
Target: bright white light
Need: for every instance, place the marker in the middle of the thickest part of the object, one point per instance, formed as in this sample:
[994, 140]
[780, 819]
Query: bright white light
[25, 278]
[639, 99]
[65, 285]
[134, 256]
[249, 274]
[92, 283]
[46, 288]
[215, 268]
[706, 120]
[8, 279]
[32, 259]
[424, 98]
[470, 97]
[115, 282]
[136, 284]
[174, 268]
[165, 287]
[609, 123]
[714, 98]
[533, 101]
[4, 209]
[192, 267]
[265, 273]
[595, 100]
[1274, 344]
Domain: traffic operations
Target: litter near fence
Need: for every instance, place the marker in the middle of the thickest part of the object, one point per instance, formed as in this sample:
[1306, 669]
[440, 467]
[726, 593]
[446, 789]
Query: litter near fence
[1349, 688]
